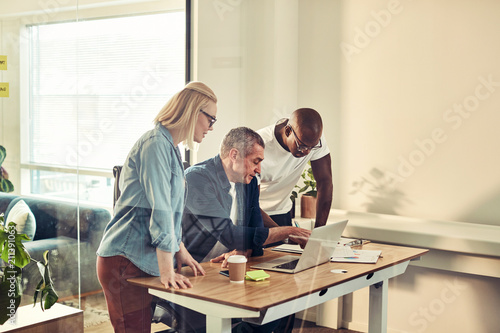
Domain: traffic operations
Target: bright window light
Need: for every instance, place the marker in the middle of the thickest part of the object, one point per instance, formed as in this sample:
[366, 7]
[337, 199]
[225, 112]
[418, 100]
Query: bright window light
[95, 88]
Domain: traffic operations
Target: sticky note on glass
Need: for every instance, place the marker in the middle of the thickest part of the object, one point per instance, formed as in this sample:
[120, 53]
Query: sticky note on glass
[3, 63]
[4, 89]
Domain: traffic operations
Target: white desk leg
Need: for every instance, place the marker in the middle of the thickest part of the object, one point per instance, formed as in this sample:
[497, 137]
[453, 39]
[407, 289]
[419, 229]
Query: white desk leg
[218, 325]
[377, 321]
[329, 314]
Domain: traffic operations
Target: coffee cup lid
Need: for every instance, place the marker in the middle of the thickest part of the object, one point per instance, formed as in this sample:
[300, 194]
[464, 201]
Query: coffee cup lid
[236, 259]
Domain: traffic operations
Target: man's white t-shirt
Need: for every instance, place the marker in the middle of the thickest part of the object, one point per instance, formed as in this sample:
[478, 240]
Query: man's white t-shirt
[281, 171]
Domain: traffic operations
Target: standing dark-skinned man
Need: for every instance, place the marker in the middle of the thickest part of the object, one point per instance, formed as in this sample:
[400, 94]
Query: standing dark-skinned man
[290, 145]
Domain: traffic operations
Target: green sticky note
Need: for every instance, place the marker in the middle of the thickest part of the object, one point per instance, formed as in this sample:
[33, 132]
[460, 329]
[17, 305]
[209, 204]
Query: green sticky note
[257, 275]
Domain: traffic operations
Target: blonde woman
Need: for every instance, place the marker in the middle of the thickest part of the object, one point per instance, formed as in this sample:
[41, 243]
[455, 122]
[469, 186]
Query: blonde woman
[144, 236]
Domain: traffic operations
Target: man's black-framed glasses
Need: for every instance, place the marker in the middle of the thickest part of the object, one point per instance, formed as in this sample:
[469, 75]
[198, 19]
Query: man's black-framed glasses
[211, 118]
[301, 147]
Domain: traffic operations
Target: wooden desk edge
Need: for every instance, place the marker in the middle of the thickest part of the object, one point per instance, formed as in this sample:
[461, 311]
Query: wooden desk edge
[154, 282]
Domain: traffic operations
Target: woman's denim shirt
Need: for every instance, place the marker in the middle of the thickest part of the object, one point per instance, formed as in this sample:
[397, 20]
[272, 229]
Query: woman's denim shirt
[148, 213]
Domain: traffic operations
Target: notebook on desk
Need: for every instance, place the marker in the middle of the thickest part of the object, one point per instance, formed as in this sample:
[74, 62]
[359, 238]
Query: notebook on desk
[318, 250]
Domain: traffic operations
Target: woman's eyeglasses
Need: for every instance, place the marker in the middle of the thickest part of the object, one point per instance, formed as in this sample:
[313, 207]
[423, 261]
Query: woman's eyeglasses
[211, 119]
[301, 147]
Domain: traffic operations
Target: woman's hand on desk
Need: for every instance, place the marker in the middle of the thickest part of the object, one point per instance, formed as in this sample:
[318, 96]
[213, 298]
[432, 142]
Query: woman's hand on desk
[175, 280]
[168, 276]
[183, 257]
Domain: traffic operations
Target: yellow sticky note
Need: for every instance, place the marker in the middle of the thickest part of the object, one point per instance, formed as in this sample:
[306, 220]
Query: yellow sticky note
[3, 63]
[4, 89]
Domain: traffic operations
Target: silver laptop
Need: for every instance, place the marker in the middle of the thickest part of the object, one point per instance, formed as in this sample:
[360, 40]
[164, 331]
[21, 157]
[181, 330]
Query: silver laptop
[318, 250]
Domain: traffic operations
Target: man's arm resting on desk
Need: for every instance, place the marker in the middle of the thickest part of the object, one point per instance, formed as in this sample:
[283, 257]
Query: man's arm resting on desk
[322, 171]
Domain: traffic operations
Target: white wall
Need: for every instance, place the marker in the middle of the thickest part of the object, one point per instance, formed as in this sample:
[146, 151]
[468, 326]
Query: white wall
[248, 53]
[319, 84]
[401, 88]
[218, 63]
[387, 77]
[10, 117]
[428, 300]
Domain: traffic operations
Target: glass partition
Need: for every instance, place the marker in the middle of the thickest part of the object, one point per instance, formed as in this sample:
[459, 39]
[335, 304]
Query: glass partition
[86, 79]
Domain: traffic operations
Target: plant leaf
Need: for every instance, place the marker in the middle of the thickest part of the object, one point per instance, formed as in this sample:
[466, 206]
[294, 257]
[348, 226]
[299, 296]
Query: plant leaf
[312, 193]
[6, 185]
[303, 189]
[50, 299]
[13, 251]
[45, 287]
[37, 291]
[3, 153]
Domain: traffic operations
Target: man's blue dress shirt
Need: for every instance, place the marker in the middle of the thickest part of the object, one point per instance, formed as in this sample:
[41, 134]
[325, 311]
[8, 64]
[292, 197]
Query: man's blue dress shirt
[206, 218]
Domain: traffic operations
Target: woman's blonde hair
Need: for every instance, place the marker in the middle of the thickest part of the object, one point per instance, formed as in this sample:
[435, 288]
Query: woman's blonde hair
[181, 111]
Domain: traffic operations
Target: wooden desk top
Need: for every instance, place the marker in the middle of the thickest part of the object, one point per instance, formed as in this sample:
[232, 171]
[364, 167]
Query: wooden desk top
[279, 287]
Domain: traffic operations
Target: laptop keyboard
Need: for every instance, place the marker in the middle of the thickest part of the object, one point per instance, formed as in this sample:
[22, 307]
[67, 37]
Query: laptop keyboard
[288, 265]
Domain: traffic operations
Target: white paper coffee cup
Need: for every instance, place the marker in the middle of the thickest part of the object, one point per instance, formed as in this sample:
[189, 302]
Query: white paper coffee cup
[237, 268]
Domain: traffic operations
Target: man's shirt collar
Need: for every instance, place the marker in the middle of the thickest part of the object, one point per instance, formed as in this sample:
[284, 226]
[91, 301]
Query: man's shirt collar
[220, 173]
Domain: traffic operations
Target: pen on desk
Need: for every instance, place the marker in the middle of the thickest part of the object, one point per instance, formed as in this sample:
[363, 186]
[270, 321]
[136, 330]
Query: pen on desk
[355, 242]
[296, 224]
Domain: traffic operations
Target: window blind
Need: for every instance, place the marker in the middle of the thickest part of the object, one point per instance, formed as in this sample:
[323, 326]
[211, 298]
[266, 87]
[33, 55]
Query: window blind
[96, 85]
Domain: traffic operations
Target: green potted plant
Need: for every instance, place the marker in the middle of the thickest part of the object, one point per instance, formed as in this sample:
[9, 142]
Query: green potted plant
[5, 184]
[15, 257]
[309, 194]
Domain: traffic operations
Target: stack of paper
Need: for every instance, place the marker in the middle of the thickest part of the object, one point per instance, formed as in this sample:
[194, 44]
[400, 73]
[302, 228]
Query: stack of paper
[342, 253]
[293, 248]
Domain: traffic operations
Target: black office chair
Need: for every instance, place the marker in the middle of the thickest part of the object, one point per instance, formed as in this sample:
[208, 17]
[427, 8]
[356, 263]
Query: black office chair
[117, 169]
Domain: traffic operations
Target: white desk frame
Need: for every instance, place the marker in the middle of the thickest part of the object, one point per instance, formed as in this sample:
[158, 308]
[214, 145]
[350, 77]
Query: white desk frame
[219, 315]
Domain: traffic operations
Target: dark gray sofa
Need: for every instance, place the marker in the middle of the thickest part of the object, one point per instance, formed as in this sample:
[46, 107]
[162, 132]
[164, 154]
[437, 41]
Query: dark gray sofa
[57, 230]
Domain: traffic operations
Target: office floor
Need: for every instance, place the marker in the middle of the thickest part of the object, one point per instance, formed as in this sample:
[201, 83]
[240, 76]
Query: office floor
[98, 302]
[309, 327]
[300, 327]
